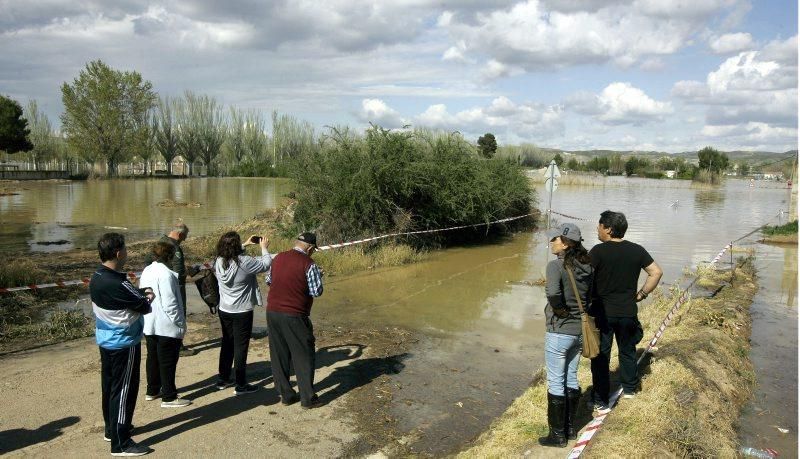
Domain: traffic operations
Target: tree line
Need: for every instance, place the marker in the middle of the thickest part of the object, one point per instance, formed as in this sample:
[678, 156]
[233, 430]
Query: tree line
[113, 117]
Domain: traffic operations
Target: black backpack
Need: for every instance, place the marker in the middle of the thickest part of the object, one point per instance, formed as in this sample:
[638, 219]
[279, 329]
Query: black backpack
[209, 290]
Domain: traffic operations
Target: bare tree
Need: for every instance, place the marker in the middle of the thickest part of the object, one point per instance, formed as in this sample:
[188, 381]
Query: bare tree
[289, 137]
[202, 130]
[236, 134]
[188, 129]
[255, 137]
[165, 130]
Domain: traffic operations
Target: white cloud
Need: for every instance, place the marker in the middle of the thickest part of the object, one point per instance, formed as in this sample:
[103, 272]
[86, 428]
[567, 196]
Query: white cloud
[377, 112]
[521, 121]
[456, 53]
[731, 43]
[532, 37]
[751, 135]
[754, 86]
[619, 103]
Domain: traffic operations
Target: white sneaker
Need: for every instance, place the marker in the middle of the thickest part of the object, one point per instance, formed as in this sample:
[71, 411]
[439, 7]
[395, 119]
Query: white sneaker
[601, 408]
[177, 403]
[152, 397]
[628, 395]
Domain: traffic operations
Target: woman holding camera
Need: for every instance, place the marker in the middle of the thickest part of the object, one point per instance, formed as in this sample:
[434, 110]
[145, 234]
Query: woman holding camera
[238, 293]
[562, 340]
[164, 327]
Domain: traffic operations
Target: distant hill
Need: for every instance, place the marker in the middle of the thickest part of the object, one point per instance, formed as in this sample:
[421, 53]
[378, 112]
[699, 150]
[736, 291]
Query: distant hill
[735, 155]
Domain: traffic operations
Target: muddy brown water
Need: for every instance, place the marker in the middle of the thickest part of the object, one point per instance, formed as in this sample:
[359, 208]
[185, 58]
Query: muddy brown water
[78, 212]
[480, 325]
[770, 420]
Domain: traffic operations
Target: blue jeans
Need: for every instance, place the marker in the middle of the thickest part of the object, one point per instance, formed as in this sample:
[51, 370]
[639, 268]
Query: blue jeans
[561, 355]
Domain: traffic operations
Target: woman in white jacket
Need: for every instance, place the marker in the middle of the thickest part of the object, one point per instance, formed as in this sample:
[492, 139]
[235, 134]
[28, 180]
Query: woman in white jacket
[164, 327]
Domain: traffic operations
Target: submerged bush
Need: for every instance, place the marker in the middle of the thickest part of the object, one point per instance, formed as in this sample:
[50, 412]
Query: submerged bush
[789, 228]
[391, 181]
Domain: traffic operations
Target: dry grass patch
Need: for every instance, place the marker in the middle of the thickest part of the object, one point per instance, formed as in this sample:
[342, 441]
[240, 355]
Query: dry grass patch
[692, 389]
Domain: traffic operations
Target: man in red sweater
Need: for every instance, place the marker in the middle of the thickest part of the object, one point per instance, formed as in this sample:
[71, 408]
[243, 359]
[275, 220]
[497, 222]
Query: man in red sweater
[295, 280]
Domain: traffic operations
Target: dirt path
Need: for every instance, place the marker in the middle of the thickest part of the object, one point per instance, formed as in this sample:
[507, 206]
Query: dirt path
[51, 396]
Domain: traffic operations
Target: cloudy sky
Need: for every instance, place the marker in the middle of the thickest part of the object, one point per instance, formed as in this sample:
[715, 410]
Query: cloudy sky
[668, 75]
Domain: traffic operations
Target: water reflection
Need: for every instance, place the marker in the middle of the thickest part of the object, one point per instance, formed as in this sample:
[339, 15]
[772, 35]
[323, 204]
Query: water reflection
[79, 212]
[706, 200]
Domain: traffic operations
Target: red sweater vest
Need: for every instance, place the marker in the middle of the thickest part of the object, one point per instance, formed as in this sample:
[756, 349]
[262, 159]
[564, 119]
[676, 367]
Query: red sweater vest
[289, 290]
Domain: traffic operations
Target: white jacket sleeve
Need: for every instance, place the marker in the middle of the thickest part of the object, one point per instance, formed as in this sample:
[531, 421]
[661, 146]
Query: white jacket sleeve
[255, 265]
[170, 301]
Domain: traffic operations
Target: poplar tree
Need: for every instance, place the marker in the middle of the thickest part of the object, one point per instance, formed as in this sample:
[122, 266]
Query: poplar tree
[42, 135]
[103, 112]
[165, 131]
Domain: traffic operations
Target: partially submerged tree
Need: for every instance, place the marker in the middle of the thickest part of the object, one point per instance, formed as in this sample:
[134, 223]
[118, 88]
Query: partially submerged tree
[202, 130]
[290, 137]
[13, 127]
[165, 131]
[487, 145]
[188, 131]
[212, 131]
[712, 160]
[573, 164]
[103, 110]
[42, 135]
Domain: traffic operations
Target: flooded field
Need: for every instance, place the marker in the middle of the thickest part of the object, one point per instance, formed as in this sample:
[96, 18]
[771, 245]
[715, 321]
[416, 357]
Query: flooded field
[51, 216]
[770, 420]
[476, 310]
[484, 324]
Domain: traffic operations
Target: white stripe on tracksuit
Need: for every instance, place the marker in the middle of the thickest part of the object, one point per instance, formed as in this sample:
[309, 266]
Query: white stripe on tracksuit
[123, 397]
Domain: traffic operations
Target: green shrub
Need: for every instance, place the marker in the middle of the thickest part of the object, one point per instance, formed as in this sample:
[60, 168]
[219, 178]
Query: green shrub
[258, 169]
[789, 228]
[654, 175]
[390, 181]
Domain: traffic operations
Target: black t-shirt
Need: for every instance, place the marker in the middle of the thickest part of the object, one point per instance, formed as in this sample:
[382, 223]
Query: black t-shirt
[617, 266]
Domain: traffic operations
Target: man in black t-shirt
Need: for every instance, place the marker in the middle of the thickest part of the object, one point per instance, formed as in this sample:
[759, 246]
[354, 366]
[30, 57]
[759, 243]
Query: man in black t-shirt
[617, 265]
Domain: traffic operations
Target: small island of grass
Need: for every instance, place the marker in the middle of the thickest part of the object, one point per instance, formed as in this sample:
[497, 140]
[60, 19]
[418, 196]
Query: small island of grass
[781, 234]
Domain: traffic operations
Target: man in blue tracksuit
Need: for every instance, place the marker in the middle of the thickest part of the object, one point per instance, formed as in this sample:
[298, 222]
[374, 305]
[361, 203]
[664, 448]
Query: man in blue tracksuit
[118, 308]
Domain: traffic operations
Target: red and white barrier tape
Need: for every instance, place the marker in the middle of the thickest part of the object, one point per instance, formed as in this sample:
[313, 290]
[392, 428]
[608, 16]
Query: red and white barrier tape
[409, 233]
[597, 423]
[133, 276]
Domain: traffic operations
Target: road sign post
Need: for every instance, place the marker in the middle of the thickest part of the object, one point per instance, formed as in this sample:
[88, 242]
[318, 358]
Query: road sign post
[551, 185]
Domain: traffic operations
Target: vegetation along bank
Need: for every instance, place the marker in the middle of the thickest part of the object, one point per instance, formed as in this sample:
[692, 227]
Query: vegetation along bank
[693, 387]
[781, 234]
[354, 186]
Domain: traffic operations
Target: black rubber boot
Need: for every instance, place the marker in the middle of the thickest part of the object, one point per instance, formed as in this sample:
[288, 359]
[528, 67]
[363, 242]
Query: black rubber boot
[573, 398]
[556, 412]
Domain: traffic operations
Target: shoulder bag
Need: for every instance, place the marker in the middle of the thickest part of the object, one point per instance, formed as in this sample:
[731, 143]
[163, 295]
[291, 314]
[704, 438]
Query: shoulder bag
[591, 334]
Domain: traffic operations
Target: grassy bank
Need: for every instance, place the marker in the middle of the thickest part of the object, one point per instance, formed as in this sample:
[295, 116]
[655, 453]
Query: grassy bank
[692, 387]
[782, 234]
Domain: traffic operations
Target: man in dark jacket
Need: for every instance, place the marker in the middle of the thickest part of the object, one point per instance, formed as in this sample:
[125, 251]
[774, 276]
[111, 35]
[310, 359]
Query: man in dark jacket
[295, 280]
[177, 235]
[617, 264]
[118, 308]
